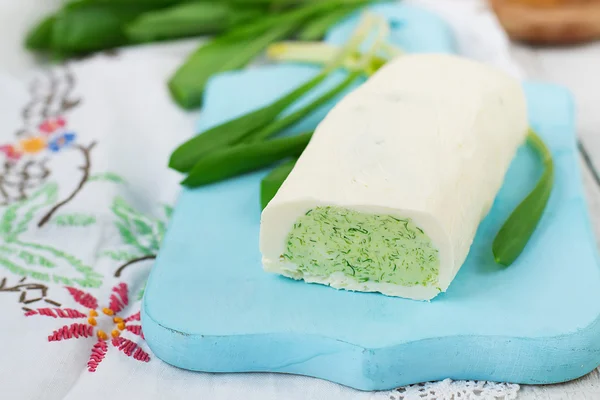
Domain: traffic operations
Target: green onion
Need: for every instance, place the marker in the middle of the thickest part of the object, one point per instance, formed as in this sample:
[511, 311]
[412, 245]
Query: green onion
[188, 19]
[319, 53]
[272, 182]
[235, 50]
[40, 37]
[156, 3]
[520, 225]
[232, 132]
[318, 27]
[187, 85]
[244, 158]
[257, 124]
[84, 27]
[280, 124]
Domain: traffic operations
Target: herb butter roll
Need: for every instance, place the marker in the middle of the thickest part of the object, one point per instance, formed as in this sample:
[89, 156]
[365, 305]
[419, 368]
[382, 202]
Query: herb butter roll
[389, 193]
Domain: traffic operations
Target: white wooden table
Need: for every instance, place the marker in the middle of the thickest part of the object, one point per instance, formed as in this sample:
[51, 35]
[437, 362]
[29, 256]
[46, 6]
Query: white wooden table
[577, 68]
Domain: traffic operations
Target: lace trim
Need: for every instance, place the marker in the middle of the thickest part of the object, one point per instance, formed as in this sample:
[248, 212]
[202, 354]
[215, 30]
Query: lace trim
[457, 390]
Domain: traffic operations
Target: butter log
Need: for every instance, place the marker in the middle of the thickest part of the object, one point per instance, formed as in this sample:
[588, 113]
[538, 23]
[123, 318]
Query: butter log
[388, 195]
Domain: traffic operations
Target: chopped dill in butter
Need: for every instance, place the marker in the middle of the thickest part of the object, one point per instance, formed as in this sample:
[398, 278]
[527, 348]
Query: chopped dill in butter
[365, 247]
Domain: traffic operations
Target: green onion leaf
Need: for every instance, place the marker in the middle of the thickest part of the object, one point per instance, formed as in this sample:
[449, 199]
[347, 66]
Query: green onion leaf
[84, 27]
[40, 37]
[234, 50]
[278, 125]
[155, 3]
[232, 132]
[318, 27]
[219, 55]
[318, 53]
[257, 125]
[182, 20]
[244, 158]
[520, 225]
[188, 19]
[272, 182]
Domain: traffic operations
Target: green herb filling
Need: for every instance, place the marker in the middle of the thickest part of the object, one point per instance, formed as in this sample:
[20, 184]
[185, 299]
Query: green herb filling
[364, 247]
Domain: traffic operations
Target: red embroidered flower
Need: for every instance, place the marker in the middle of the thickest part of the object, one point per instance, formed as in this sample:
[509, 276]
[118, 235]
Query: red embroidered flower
[118, 300]
[11, 152]
[50, 125]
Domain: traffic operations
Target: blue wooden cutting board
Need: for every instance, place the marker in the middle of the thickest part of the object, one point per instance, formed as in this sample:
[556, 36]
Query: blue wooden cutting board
[209, 306]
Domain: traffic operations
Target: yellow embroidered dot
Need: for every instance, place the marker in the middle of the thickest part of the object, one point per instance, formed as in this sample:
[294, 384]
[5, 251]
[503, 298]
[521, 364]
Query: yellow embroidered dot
[32, 145]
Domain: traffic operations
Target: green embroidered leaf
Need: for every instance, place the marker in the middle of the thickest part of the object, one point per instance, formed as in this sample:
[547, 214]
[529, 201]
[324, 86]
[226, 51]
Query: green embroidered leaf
[126, 234]
[140, 294]
[122, 209]
[88, 283]
[43, 198]
[119, 255]
[141, 232]
[8, 250]
[108, 177]
[17, 216]
[62, 280]
[155, 243]
[91, 278]
[18, 270]
[162, 225]
[168, 211]
[136, 230]
[74, 220]
[35, 259]
[160, 234]
[142, 227]
[40, 276]
[28, 257]
[10, 215]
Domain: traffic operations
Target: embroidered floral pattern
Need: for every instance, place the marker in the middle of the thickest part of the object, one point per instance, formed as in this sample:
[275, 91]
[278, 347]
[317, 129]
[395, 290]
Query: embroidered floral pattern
[50, 125]
[50, 136]
[62, 141]
[27, 194]
[11, 153]
[31, 145]
[108, 316]
[36, 260]
[44, 132]
[31, 199]
[141, 234]
[28, 292]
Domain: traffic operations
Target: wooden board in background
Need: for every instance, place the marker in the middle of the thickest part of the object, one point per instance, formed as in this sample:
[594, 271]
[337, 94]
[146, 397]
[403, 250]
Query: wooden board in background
[549, 21]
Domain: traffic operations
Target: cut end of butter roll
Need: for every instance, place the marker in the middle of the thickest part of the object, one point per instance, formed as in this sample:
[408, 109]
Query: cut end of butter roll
[389, 193]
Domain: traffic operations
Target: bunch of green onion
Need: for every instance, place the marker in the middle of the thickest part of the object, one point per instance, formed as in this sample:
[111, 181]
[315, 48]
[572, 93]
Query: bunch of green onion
[242, 29]
[244, 144]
